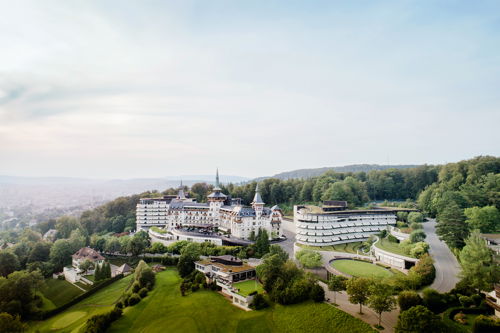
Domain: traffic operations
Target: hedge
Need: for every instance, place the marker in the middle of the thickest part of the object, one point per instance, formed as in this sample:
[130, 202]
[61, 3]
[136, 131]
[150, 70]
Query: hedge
[98, 286]
[450, 313]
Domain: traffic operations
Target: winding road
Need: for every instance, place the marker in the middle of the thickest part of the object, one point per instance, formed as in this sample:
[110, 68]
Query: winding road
[447, 267]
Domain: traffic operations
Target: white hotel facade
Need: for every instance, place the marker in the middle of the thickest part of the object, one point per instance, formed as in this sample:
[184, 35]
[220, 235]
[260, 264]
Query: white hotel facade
[175, 212]
[334, 224]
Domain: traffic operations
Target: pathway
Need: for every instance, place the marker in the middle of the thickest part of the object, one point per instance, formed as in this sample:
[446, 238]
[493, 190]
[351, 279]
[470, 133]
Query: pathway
[389, 319]
[446, 264]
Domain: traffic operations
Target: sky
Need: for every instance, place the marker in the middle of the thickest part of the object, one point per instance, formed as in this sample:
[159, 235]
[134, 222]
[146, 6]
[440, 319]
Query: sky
[140, 89]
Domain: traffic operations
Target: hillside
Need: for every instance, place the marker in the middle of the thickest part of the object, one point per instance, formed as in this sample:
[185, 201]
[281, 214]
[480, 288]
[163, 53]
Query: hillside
[314, 172]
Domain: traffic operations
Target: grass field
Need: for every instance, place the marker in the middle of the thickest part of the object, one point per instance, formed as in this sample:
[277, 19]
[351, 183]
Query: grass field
[75, 317]
[165, 310]
[385, 245]
[360, 268]
[247, 287]
[347, 248]
[60, 292]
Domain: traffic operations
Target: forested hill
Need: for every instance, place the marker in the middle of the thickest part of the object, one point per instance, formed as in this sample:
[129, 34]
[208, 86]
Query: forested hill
[315, 172]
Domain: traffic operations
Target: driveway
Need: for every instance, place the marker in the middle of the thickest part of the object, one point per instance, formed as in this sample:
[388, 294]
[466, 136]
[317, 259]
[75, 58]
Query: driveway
[447, 267]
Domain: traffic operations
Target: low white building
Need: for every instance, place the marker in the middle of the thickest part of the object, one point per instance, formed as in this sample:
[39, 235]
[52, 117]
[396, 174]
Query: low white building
[493, 299]
[225, 271]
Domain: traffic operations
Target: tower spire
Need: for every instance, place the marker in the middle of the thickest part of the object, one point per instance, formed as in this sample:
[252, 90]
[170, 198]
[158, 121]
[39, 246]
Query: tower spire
[217, 184]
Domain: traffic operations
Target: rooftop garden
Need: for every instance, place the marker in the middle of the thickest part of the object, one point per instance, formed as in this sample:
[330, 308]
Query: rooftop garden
[247, 287]
[359, 268]
[347, 248]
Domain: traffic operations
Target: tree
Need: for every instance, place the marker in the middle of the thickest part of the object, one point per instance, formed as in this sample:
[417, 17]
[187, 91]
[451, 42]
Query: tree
[60, 253]
[418, 319]
[336, 283]
[276, 250]
[451, 227]
[402, 216]
[86, 265]
[262, 243]
[8, 263]
[112, 245]
[12, 324]
[39, 252]
[381, 299]
[408, 299]
[417, 236]
[416, 225]
[415, 217]
[65, 225]
[317, 293]
[485, 219]
[309, 259]
[189, 255]
[478, 266]
[98, 273]
[358, 290]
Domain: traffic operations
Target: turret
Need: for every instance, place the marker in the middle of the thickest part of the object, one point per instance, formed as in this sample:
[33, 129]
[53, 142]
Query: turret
[257, 203]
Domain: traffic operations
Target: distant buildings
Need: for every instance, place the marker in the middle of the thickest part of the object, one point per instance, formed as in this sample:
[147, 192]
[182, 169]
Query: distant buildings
[334, 224]
[180, 214]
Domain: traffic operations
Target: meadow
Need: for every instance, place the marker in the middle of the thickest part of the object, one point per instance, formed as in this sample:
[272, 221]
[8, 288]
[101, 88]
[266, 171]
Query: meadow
[208, 311]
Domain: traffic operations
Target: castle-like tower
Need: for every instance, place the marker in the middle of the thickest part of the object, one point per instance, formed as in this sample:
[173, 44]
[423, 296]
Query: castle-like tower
[258, 203]
[216, 199]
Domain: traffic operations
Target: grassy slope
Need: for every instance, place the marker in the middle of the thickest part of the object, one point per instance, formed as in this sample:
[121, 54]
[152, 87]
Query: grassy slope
[360, 269]
[385, 245]
[60, 292]
[207, 311]
[75, 316]
[348, 247]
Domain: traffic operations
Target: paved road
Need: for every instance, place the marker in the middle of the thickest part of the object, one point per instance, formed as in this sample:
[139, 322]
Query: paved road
[447, 267]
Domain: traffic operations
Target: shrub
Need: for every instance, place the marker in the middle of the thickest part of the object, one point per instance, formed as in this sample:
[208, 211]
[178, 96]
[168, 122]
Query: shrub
[417, 236]
[477, 299]
[308, 259]
[317, 293]
[259, 302]
[466, 301]
[425, 269]
[484, 324]
[392, 239]
[408, 299]
[100, 323]
[416, 225]
[383, 233]
[433, 300]
[195, 287]
[136, 287]
[134, 299]
[143, 292]
[460, 318]
[415, 217]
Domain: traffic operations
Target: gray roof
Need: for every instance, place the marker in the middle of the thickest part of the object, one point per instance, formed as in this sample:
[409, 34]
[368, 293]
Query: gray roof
[182, 205]
[257, 198]
[217, 194]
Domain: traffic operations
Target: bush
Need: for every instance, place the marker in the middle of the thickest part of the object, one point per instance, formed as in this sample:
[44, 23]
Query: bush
[308, 259]
[417, 236]
[466, 301]
[484, 324]
[143, 292]
[136, 287]
[392, 239]
[407, 299]
[416, 225]
[415, 217]
[477, 299]
[425, 269]
[259, 302]
[434, 301]
[317, 293]
[100, 323]
[134, 299]
[460, 318]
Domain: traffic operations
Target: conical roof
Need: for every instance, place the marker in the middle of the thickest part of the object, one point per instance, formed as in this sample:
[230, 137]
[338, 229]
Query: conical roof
[257, 199]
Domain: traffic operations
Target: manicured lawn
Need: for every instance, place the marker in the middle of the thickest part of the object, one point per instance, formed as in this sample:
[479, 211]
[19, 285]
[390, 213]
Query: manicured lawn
[165, 310]
[360, 268]
[385, 245]
[60, 292]
[75, 317]
[247, 287]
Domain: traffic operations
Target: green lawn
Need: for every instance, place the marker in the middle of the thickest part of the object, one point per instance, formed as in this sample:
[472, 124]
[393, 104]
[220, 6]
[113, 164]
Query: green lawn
[385, 245]
[60, 292]
[348, 247]
[75, 317]
[247, 287]
[165, 310]
[360, 268]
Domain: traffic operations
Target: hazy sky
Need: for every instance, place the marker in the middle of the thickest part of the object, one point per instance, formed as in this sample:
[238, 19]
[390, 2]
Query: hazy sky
[156, 88]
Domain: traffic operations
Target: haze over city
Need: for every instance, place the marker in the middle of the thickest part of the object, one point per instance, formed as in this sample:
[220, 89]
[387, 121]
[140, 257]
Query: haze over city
[114, 89]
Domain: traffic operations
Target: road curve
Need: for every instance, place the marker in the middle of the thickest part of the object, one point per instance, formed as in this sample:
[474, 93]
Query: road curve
[447, 267]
